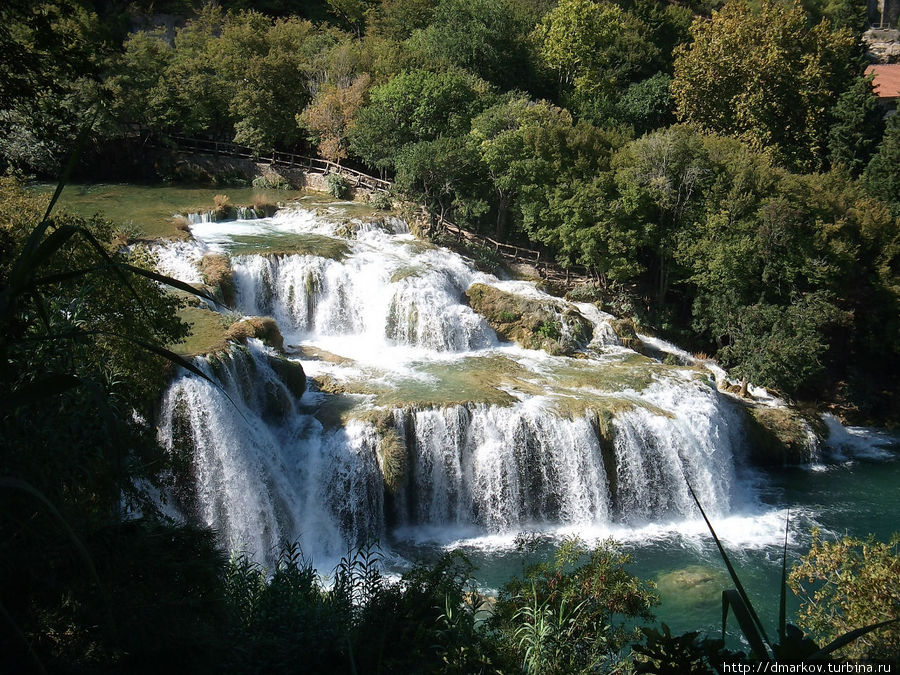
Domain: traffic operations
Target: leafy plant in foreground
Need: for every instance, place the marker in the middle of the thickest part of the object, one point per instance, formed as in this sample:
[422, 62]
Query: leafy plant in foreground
[793, 645]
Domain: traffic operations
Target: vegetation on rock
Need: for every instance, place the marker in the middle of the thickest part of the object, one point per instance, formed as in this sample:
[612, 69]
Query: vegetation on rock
[531, 323]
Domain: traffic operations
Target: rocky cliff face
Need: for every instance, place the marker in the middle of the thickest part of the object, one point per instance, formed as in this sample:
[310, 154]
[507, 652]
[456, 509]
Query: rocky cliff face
[883, 45]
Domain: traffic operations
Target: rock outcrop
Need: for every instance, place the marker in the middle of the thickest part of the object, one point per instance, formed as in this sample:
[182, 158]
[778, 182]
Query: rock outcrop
[531, 323]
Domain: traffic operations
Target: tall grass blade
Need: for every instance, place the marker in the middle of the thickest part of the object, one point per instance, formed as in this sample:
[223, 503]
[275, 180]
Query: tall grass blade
[53, 384]
[731, 571]
[51, 244]
[70, 166]
[782, 605]
[23, 265]
[65, 276]
[731, 598]
[847, 638]
[169, 281]
[178, 360]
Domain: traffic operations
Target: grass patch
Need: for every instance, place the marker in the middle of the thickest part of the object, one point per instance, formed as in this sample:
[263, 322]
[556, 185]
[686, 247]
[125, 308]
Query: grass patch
[291, 244]
[215, 270]
[208, 330]
[149, 209]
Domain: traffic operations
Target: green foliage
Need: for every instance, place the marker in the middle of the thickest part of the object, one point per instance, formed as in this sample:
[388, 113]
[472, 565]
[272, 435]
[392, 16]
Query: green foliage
[381, 201]
[44, 47]
[412, 107]
[78, 326]
[849, 14]
[561, 618]
[596, 49]
[661, 178]
[647, 105]
[792, 646]
[549, 330]
[82, 329]
[781, 346]
[425, 622]
[882, 177]
[443, 175]
[529, 150]
[766, 259]
[338, 185]
[766, 78]
[857, 128]
[663, 653]
[398, 19]
[484, 37]
[271, 181]
[849, 583]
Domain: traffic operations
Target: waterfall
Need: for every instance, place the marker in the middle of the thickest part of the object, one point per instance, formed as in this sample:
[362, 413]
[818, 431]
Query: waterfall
[237, 213]
[526, 466]
[311, 294]
[260, 472]
[530, 442]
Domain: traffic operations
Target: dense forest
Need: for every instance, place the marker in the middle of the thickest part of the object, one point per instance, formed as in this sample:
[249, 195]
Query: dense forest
[725, 171]
[727, 175]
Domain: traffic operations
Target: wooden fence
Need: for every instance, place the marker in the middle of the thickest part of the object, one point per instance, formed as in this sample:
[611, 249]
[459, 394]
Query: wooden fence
[546, 269]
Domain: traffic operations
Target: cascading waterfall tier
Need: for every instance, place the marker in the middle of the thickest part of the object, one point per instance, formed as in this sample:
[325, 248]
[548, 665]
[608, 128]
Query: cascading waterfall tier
[418, 416]
[527, 466]
[361, 296]
[261, 472]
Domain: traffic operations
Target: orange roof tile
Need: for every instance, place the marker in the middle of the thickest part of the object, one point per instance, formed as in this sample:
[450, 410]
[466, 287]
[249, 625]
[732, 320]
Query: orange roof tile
[887, 79]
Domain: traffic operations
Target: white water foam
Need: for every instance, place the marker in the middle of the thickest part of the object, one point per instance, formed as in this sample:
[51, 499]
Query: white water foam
[478, 472]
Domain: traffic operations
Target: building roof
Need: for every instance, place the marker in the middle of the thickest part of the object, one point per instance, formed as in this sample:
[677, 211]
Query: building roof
[887, 79]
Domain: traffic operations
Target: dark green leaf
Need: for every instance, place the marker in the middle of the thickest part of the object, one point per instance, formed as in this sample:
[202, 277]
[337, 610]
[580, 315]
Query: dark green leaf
[731, 571]
[847, 638]
[731, 598]
[46, 387]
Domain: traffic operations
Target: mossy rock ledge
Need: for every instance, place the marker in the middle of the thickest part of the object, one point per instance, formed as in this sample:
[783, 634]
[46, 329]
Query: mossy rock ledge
[627, 334]
[531, 323]
[211, 332]
[782, 436]
[215, 270]
[262, 328]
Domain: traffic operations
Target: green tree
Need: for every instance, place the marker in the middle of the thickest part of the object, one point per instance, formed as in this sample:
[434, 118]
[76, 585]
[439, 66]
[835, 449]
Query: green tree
[398, 19]
[197, 94]
[595, 49]
[766, 78]
[529, 148]
[858, 126]
[46, 44]
[139, 89]
[668, 25]
[647, 105]
[781, 346]
[415, 106]
[353, 13]
[566, 615]
[585, 227]
[485, 37]
[882, 176]
[443, 175]
[262, 66]
[849, 583]
[661, 179]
